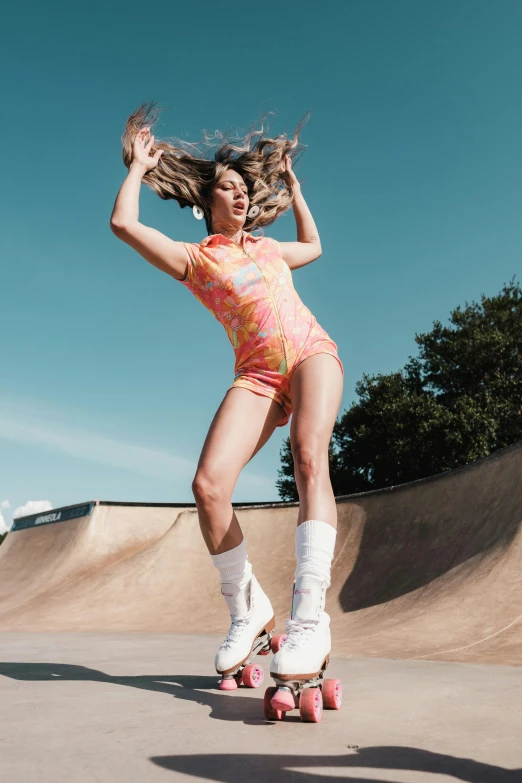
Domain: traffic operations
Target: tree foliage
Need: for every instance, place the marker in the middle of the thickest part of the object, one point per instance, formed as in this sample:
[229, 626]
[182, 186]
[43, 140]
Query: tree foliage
[458, 400]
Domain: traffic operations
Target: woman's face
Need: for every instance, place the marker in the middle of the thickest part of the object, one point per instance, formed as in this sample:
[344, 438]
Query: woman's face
[229, 202]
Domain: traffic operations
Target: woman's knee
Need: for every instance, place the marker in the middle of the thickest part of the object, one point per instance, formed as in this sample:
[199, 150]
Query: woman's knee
[210, 489]
[309, 463]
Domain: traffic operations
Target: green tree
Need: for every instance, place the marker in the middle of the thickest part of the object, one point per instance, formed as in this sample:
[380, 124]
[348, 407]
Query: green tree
[2, 536]
[458, 400]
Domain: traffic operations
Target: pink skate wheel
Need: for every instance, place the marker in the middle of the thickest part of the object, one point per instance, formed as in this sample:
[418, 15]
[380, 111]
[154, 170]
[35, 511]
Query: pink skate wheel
[311, 705]
[277, 641]
[270, 712]
[253, 676]
[332, 694]
[283, 700]
[228, 684]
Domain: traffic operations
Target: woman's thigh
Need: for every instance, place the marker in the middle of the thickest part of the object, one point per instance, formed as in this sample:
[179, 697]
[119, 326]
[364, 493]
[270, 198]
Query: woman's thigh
[242, 425]
[317, 390]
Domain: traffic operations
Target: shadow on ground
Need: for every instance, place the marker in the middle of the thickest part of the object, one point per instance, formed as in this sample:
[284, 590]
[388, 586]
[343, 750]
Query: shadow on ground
[202, 690]
[236, 768]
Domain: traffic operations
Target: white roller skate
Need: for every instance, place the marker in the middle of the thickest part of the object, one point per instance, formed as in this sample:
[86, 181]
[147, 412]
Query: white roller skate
[299, 666]
[250, 633]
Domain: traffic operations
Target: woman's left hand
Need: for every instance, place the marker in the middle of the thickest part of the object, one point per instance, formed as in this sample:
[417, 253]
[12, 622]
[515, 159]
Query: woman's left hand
[287, 168]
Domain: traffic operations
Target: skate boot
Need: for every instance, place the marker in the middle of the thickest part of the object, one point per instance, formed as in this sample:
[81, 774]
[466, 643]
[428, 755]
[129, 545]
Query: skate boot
[299, 666]
[250, 633]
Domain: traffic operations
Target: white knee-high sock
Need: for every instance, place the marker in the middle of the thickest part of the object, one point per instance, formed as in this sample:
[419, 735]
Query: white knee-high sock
[233, 566]
[314, 548]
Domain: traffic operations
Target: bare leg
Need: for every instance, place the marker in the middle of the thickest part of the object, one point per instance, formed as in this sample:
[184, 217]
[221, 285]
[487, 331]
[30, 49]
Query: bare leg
[242, 425]
[316, 389]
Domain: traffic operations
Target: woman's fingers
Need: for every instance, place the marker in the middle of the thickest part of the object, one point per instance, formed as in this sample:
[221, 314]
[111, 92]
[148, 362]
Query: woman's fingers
[287, 163]
[142, 133]
[142, 149]
[140, 136]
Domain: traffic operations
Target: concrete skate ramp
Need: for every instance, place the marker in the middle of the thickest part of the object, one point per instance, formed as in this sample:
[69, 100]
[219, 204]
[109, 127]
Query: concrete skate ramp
[57, 548]
[431, 569]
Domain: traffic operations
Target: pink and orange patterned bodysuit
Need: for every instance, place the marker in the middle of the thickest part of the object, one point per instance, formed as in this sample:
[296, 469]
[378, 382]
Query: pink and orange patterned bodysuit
[250, 291]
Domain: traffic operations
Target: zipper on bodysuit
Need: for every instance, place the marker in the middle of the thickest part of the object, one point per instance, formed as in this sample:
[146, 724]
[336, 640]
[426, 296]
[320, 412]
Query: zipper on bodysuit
[273, 301]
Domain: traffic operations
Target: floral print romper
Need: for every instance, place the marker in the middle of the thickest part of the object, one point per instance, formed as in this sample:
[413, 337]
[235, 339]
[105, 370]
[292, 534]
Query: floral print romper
[250, 291]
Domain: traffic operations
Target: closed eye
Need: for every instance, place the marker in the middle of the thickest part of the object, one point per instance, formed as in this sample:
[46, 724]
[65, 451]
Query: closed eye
[226, 186]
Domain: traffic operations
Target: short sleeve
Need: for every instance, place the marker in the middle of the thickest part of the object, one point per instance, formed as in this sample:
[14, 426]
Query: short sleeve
[277, 247]
[192, 251]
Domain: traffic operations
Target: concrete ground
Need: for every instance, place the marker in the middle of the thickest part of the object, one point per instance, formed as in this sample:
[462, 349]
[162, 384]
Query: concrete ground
[145, 707]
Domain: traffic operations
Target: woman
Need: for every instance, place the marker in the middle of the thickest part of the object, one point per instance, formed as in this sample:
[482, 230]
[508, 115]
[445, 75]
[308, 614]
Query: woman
[285, 362]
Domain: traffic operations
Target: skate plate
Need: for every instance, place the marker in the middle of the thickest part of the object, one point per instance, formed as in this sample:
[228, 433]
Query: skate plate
[308, 694]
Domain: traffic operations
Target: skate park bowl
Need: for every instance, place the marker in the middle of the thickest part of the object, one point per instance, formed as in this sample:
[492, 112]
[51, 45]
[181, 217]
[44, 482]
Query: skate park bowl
[111, 613]
[427, 570]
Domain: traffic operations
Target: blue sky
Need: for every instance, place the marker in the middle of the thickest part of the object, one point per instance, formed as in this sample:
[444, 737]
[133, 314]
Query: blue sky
[112, 371]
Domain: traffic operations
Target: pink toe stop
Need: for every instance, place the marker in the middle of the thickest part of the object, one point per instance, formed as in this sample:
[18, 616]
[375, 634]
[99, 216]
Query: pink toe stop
[283, 700]
[228, 684]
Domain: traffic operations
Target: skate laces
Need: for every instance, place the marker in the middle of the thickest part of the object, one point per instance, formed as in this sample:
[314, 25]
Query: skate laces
[297, 633]
[236, 629]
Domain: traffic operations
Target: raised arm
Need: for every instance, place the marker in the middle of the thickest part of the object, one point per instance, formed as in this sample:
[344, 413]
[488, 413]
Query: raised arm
[308, 245]
[158, 249]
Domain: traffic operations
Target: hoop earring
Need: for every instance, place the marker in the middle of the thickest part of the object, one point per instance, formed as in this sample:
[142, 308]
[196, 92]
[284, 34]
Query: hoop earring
[198, 212]
[253, 212]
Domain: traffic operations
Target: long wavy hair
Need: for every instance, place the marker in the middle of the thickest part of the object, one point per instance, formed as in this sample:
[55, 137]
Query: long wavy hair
[186, 173]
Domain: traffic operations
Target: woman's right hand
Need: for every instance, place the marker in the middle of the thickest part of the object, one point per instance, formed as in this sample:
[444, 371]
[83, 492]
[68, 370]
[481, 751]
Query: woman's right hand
[141, 152]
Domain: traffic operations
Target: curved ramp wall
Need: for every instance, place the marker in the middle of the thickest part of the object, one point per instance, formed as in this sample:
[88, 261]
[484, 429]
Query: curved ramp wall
[431, 569]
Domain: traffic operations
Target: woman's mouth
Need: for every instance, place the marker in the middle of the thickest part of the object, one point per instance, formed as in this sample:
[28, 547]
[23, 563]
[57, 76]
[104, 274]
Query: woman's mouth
[240, 205]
